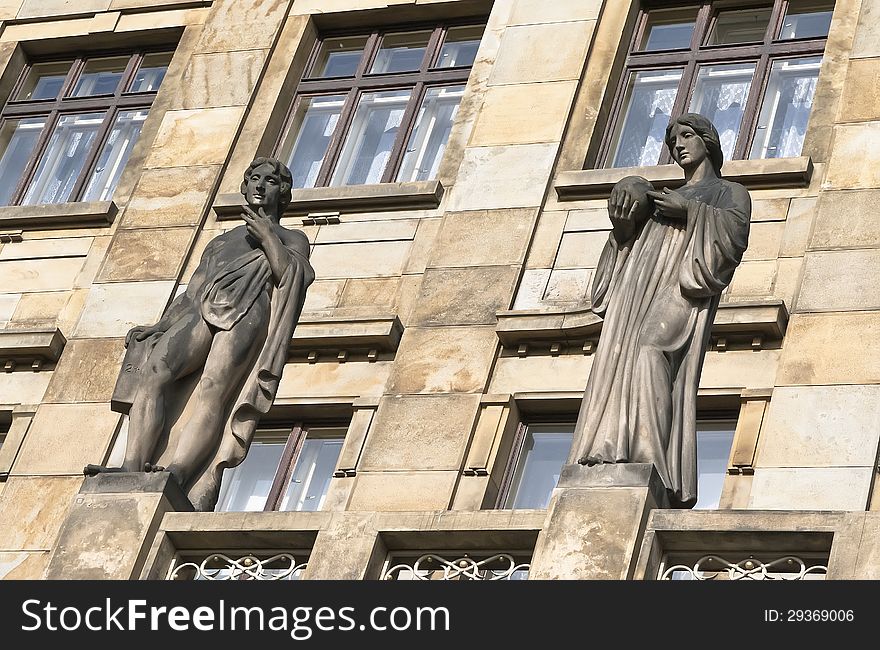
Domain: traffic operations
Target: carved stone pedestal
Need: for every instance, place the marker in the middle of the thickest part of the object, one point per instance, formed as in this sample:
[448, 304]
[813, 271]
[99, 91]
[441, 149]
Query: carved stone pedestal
[112, 522]
[595, 522]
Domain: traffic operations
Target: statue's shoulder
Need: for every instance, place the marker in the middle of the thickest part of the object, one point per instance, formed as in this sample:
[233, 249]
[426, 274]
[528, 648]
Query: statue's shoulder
[736, 191]
[295, 239]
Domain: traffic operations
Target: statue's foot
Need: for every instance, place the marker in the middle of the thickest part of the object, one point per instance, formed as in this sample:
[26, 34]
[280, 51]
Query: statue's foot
[94, 470]
[149, 467]
[589, 461]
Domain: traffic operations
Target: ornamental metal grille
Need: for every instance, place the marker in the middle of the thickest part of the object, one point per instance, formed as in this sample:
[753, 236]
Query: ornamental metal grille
[218, 566]
[467, 566]
[714, 567]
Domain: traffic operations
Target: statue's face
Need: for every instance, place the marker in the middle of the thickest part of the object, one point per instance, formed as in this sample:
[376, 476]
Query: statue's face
[688, 148]
[263, 187]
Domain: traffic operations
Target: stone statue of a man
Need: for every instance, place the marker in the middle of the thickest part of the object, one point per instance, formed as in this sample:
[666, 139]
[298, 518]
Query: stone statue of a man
[657, 286]
[210, 367]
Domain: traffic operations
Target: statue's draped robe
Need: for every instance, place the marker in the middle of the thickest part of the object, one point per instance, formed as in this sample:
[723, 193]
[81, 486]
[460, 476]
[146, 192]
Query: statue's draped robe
[237, 275]
[658, 294]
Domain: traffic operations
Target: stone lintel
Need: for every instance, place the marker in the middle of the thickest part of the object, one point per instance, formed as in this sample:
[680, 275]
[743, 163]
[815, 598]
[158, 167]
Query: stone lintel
[32, 345]
[754, 174]
[315, 332]
[80, 214]
[348, 198]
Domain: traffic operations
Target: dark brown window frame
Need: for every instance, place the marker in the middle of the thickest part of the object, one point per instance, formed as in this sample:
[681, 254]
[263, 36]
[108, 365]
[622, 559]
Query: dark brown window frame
[516, 448]
[699, 53]
[363, 82]
[296, 437]
[62, 105]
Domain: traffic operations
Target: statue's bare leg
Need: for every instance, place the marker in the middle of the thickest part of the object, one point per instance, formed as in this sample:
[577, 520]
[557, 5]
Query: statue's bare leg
[231, 357]
[179, 351]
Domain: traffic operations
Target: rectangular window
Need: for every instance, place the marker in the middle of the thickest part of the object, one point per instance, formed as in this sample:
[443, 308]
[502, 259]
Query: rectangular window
[541, 449]
[751, 69]
[378, 107]
[286, 468]
[71, 125]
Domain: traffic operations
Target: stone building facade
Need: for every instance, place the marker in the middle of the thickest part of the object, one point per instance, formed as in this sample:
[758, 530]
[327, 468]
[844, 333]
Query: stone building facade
[445, 345]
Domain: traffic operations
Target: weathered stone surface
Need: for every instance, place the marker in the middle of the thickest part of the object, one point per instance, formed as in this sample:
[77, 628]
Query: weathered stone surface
[526, 12]
[343, 549]
[443, 360]
[424, 432]
[502, 177]
[770, 209]
[541, 373]
[38, 505]
[64, 438]
[422, 245]
[740, 368]
[807, 357]
[580, 250]
[796, 234]
[401, 491]
[112, 309]
[530, 294]
[46, 248]
[9, 8]
[148, 254]
[36, 307]
[106, 535]
[822, 290]
[9, 304]
[86, 372]
[40, 274]
[861, 95]
[765, 238]
[378, 293]
[220, 79]
[788, 277]
[94, 260]
[569, 285]
[360, 260]
[194, 137]
[868, 562]
[508, 115]
[23, 566]
[532, 53]
[854, 142]
[846, 220]
[23, 387]
[367, 231]
[333, 379]
[323, 294]
[467, 296]
[41, 8]
[588, 219]
[753, 280]
[867, 37]
[503, 237]
[821, 426]
[174, 196]
[809, 488]
[545, 242]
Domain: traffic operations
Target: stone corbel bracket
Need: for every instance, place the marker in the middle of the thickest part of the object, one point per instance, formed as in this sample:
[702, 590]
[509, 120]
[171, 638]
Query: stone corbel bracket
[30, 347]
[341, 338]
[82, 214]
[349, 198]
[755, 324]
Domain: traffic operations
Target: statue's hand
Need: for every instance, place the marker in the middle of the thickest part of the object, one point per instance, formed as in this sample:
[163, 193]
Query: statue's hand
[622, 207]
[670, 203]
[259, 226]
[141, 332]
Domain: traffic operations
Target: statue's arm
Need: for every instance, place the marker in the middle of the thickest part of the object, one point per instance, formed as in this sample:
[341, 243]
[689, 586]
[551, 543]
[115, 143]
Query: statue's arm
[629, 207]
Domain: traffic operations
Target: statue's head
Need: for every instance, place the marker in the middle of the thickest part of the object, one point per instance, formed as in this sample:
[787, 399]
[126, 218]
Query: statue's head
[267, 183]
[709, 144]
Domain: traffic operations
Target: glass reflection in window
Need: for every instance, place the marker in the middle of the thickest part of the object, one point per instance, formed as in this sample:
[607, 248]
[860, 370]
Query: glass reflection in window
[720, 95]
[421, 161]
[545, 450]
[311, 129]
[714, 440]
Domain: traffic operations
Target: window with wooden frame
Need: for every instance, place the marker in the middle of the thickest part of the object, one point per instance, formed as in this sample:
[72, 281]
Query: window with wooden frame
[378, 107]
[286, 468]
[541, 448]
[70, 125]
[750, 67]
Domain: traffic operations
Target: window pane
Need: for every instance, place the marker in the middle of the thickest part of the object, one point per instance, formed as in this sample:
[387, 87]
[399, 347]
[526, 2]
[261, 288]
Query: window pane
[544, 452]
[44, 80]
[460, 47]
[339, 57]
[245, 487]
[371, 137]
[306, 142]
[720, 95]
[151, 72]
[17, 141]
[63, 159]
[807, 19]
[428, 140]
[401, 52]
[740, 26]
[785, 110]
[100, 76]
[669, 29]
[714, 439]
[314, 469]
[648, 102]
[123, 136]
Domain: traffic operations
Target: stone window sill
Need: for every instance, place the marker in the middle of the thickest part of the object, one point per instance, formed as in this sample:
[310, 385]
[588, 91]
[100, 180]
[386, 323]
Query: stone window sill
[32, 347]
[336, 333]
[78, 214]
[754, 323]
[350, 198]
[754, 174]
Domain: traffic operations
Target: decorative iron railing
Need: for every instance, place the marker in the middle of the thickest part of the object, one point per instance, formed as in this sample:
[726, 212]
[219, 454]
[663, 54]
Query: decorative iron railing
[218, 566]
[431, 566]
[714, 567]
